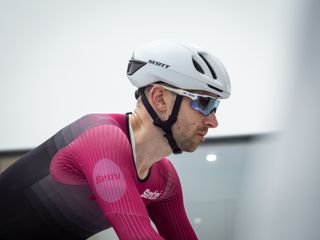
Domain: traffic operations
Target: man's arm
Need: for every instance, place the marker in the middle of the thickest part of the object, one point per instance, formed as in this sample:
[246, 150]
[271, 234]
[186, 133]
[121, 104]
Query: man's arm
[103, 155]
[169, 214]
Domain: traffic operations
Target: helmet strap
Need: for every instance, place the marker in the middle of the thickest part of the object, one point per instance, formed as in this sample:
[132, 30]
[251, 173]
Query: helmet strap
[165, 125]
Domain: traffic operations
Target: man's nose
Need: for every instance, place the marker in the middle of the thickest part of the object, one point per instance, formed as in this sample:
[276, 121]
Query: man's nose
[211, 120]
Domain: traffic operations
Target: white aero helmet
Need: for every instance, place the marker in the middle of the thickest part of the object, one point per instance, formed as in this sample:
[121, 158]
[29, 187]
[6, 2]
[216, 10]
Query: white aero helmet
[182, 66]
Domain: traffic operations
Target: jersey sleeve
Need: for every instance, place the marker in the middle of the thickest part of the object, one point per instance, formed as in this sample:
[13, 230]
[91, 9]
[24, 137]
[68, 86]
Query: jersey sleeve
[103, 155]
[168, 214]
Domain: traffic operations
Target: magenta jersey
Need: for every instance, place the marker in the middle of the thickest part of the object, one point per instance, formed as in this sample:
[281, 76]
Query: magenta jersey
[89, 183]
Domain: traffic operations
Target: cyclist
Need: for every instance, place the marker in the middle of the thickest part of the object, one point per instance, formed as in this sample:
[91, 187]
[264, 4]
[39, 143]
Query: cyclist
[112, 170]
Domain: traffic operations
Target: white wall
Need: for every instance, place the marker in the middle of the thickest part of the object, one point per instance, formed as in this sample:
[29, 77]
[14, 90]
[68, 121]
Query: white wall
[62, 59]
[281, 200]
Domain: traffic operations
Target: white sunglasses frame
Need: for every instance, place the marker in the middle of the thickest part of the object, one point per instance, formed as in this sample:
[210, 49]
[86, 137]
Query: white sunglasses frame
[185, 93]
[182, 92]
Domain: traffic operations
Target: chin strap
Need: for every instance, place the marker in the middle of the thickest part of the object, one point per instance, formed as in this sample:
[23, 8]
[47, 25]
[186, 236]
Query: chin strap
[165, 125]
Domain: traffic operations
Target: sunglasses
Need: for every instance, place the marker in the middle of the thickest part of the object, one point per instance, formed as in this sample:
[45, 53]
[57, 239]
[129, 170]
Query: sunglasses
[203, 103]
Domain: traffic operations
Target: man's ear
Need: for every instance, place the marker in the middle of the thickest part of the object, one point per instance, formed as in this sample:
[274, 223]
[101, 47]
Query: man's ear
[158, 98]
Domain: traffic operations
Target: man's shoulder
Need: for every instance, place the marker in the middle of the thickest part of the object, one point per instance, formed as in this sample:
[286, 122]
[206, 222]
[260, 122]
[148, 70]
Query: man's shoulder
[85, 123]
[94, 119]
[101, 118]
[166, 165]
[96, 128]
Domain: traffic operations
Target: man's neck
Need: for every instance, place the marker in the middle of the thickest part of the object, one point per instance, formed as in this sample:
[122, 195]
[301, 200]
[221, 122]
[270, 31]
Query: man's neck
[150, 145]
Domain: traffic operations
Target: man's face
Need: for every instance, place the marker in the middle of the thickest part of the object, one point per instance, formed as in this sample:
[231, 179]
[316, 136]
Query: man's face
[192, 126]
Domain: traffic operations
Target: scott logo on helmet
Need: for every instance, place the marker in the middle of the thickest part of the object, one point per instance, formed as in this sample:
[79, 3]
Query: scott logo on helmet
[158, 64]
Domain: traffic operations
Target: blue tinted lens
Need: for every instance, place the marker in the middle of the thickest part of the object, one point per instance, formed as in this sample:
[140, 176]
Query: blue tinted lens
[205, 105]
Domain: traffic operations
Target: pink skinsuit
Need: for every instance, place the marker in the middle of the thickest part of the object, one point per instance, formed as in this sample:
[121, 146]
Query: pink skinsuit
[90, 183]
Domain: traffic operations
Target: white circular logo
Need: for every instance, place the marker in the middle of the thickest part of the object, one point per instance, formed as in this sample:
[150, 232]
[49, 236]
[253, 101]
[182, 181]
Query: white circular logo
[109, 180]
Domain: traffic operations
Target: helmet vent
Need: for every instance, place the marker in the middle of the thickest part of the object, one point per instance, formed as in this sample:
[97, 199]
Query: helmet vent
[217, 89]
[197, 66]
[209, 66]
[134, 65]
